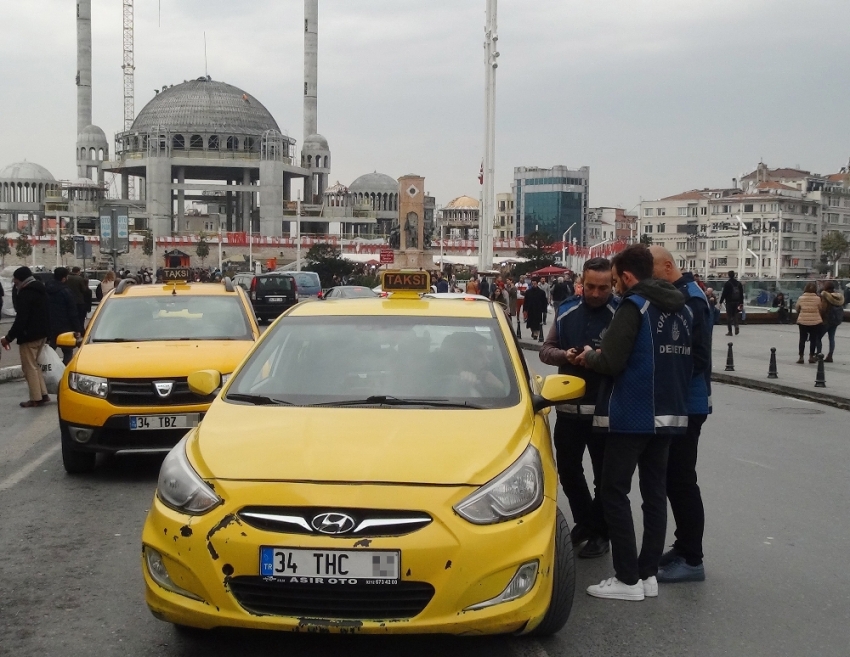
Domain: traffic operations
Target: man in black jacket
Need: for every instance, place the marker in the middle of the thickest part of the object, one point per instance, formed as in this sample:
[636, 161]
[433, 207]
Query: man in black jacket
[733, 297]
[534, 306]
[80, 291]
[582, 321]
[31, 327]
[64, 317]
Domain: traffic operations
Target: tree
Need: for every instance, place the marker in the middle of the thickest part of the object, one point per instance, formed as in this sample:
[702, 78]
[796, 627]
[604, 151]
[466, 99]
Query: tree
[67, 245]
[23, 248]
[147, 243]
[538, 250]
[646, 239]
[4, 249]
[326, 260]
[203, 249]
[834, 246]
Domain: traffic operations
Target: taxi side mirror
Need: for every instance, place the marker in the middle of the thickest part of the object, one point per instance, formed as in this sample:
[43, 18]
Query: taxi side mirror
[66, 340]
[205, 382]
[557, 389]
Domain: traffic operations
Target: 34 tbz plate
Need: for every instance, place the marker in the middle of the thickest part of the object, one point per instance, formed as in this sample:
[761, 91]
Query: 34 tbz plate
[157, 422]
[330, 566]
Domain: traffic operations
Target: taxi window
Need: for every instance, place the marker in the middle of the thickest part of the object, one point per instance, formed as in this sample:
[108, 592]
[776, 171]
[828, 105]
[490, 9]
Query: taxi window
[307, 361]
[171, 317]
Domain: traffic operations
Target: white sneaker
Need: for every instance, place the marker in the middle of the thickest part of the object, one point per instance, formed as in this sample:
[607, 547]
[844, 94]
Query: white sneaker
[614, 589]
[650, 587]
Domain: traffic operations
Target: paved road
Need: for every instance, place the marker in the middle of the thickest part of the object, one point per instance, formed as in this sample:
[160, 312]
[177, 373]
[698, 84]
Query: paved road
[774, 478]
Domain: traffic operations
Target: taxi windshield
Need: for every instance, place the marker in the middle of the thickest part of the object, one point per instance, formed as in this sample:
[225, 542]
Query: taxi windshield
[171, 317]
[367, 360]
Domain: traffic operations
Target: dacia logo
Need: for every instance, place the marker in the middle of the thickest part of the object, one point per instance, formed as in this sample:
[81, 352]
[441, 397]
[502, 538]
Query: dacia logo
[333, 523]
[163, 388]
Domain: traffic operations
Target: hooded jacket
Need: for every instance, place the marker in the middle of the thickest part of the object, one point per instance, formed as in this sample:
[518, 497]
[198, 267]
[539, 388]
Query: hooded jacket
[647, 351]
[32, 321]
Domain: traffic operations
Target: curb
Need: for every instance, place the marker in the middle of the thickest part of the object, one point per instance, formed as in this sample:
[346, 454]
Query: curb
[835, 401]
[13, 373]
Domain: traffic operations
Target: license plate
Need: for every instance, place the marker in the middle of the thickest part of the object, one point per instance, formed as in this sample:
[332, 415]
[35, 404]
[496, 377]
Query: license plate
[156, 422]
[274, 299]
[330, 566]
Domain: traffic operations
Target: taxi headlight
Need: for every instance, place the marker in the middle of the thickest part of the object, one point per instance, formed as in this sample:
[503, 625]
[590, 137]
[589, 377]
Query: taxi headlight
[180, 487]
[515, 492]
[85, 384]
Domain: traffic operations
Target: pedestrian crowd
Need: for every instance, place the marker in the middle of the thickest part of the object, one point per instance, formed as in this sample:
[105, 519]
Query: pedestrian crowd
[638, 331]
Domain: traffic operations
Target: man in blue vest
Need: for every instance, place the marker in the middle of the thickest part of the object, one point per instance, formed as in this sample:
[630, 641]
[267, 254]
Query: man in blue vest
[647, 352]
[683, 563]
[582, 321]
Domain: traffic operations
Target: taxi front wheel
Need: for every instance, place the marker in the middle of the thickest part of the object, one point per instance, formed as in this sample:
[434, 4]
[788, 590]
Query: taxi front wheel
[564, 582]
[75, 461]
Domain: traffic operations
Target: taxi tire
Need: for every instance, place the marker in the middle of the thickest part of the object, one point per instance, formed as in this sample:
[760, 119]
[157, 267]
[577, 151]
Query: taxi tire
[75, 461]
[563, 582]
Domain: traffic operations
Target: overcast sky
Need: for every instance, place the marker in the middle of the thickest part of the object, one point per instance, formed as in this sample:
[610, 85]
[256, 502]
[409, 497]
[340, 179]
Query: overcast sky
[655, 96]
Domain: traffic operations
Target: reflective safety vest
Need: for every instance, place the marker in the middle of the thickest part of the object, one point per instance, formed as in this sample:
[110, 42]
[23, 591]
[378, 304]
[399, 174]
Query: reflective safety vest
[699, 398]
[651, 394]
[580, 325]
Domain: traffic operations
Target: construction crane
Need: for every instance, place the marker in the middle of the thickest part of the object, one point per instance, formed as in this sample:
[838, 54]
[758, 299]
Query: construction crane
[129, 69]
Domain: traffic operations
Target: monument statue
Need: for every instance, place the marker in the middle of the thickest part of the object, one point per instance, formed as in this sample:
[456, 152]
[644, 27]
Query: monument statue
[411, 231]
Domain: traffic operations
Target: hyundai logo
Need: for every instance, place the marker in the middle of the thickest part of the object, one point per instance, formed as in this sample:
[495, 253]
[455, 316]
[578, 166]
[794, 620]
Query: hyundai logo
[333, 523]
[163, 388]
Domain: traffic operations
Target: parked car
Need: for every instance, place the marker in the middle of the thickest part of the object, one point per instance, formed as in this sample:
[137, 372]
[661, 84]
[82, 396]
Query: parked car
[270, 293]
[350, 292]
[309, 285]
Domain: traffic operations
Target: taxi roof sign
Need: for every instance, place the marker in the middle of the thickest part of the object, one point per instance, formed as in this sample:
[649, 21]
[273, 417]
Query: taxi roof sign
[412, 282]
[176, 274]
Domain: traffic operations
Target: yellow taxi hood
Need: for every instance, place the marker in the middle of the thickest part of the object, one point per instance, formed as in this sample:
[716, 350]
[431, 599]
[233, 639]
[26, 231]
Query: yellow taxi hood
[141, 360]
[398, 445]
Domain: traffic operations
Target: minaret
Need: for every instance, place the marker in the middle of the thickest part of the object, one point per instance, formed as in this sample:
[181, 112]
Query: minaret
[84, 118]
[315, 152]
[311, 66]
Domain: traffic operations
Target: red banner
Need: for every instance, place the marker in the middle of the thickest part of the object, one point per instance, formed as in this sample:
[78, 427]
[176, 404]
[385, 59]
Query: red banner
[237, 239]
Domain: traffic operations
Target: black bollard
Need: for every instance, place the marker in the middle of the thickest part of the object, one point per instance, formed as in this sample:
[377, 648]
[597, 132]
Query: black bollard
[518, 327]
[730, 361]
[820, 377]
[771, 371]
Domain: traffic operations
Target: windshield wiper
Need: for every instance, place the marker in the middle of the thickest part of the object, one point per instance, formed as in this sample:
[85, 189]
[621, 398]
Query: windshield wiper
[257, 400]
[389, 400]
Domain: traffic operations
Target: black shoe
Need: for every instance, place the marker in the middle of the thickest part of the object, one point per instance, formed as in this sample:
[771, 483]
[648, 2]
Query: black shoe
[580, 534]
[737, 330]
[669, 557]
[595, 547]
[729, 333]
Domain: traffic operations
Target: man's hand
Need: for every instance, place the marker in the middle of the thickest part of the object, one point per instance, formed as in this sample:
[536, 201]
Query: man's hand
[572, 354]
[5, 343]
[581, 359]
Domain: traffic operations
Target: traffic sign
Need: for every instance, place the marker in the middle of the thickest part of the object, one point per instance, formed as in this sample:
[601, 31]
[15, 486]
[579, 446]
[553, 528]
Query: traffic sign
[387, 256]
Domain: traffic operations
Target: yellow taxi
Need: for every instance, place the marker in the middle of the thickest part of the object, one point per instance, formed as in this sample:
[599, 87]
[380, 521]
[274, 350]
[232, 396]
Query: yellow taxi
[126, 388]
[374, 465]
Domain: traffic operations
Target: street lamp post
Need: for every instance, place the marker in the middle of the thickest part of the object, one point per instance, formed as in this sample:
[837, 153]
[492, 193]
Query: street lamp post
[741, 247]
[298, 232]
[564, 244]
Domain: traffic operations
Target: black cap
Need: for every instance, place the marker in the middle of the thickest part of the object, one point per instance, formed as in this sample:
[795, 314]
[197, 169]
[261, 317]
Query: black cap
[22, 273]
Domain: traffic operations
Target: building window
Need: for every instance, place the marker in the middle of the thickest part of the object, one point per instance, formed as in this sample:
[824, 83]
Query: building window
[647, 212]
[178, 142]
[661, 212]
[213, 143]
[647, 228]
[748, 207]
[196, 143]
[683, 212]
[662, 228]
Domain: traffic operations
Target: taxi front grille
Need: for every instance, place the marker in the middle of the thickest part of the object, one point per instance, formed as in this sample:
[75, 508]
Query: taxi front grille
[350, 523]
[141, 392]
[344, 602]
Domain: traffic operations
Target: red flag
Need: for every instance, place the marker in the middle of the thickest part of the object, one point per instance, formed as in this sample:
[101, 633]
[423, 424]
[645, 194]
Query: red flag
[481, 174]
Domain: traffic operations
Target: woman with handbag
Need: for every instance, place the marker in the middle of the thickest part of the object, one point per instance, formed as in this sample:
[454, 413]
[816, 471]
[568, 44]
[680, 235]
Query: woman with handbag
[810, 322]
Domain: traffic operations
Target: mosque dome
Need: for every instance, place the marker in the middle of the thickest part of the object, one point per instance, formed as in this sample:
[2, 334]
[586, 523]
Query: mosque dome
[463, 203]
[26, 171]
[375, 182]
[205, 105]
[92, 136]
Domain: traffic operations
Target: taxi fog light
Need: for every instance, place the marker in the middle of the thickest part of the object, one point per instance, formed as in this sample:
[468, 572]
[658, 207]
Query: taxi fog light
[159, 574]
[180, 487]
[515, 492]
[80, 434]
[85, 384]
[521, 583]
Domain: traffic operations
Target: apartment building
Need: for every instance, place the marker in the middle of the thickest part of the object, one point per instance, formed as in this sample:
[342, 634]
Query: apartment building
[504, 226]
